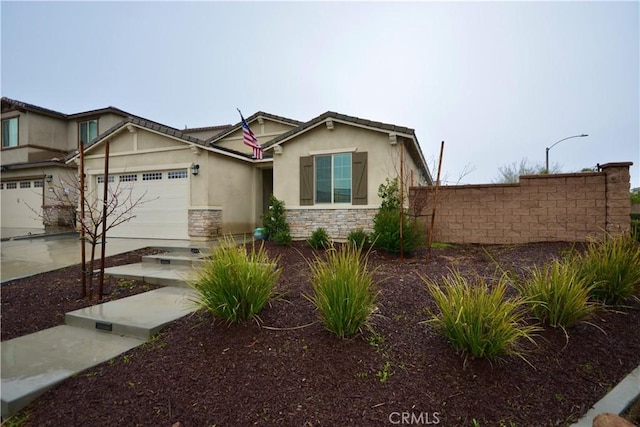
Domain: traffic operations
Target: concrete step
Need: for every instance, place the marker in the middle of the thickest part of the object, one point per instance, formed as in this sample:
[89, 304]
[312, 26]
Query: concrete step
[139, 316]
[34, 363]
[174, 259]
[154, 273]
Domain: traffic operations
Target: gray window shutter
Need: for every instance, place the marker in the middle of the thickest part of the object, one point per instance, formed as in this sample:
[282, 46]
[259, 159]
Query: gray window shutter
[359, 178]
[306, 181]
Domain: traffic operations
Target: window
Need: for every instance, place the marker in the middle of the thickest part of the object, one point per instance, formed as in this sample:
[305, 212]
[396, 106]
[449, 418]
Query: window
[177, 174]
[101, 179]
[151, 176]
[10, 132]
[2, 186]
[37, 184]
[128, 178]
[25, 184]
[335, 178]
[11, 185]
[88, 131]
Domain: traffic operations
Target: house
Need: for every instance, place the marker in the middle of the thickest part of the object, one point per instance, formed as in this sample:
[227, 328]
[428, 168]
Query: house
[200, 182]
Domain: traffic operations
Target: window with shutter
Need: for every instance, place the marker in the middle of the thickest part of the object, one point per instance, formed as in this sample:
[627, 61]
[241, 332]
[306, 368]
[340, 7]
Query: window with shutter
[306, 181]
[338, 178]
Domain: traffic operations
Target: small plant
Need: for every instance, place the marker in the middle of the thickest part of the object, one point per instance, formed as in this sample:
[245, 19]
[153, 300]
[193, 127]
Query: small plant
[359, 238]
[556, 294]
[319, 239]
[342, 290]
[385, 373]
[611, 268]
[386, 223]
[282, 238]
[476, 320]
[275, 222]
[236, 282]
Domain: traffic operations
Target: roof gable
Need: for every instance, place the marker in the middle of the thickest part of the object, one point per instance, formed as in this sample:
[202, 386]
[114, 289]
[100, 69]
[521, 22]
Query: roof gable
[252, 118]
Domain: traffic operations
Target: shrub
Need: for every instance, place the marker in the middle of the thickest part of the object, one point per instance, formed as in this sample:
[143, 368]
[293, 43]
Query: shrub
[612, 268]
[342, 290]
[282, 238]
[556, 294]
[635, 229]
[274, 220]
[319, 239]
[359, 238]
[235, 282]
[386, 232]
[476, 320]
[386, 223]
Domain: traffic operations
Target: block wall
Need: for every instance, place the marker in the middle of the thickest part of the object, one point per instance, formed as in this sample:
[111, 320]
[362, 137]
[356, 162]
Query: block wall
[561, 207]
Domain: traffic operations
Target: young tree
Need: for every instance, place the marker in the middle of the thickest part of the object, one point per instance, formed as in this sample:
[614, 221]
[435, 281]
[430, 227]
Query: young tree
[64, 197]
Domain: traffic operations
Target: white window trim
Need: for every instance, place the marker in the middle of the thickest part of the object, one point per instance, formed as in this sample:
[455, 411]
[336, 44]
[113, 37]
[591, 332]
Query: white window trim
[332, 202]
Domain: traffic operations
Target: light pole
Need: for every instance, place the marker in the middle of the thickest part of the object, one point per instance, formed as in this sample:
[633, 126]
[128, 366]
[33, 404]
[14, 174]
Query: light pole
[556, 143]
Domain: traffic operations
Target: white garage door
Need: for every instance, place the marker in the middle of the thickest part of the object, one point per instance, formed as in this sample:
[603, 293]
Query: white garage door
[22, 204]
[162, 212]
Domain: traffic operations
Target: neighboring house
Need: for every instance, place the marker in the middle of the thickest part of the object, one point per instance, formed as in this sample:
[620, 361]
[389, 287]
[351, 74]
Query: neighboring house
[198, 183]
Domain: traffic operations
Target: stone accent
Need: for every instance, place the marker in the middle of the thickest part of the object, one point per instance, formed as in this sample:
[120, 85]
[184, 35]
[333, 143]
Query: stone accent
[59, 216]
[205, 223]
[541, 208]
[337, 222]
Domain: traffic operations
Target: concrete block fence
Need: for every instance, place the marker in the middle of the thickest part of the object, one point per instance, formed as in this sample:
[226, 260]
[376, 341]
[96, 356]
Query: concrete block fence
[571, 207]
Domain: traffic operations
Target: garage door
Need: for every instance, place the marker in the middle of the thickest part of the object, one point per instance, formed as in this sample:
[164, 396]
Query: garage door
[162, 212]
[22, 204]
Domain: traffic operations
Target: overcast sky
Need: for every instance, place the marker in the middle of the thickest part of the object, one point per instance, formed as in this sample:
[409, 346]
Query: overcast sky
[498, 82]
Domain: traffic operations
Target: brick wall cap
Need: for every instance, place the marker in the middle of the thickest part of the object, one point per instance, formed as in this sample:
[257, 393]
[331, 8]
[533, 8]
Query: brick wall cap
[561, 175]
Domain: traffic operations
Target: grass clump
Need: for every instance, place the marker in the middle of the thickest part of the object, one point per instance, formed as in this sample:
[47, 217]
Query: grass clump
[342, 289]
[236, 282]
[476, 320]
[611, 268]
[556, 294]
[319, 239]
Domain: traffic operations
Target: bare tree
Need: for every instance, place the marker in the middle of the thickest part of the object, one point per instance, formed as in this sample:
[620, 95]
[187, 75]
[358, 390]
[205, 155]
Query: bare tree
[511, 173]
[119, 207]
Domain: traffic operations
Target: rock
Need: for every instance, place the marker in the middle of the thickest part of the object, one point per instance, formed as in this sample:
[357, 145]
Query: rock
[611, 420]
[177, 424]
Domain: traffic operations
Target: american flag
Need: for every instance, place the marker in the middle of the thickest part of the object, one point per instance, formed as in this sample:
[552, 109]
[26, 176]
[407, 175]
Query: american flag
[250, 139]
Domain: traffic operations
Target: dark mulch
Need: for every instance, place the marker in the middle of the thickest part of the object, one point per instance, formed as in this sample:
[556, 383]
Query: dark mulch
[201, 372]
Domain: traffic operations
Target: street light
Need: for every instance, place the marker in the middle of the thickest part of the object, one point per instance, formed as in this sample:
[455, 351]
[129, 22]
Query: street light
[558, 142]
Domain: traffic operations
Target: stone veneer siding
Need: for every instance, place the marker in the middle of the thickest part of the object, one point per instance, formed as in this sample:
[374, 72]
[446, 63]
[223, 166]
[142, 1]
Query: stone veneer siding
[204, 223]
[541, 208]
[337, 222]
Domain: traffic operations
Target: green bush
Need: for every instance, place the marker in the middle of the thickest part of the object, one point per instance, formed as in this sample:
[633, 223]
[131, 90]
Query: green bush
[275, 221]
[556, 294]
[476, 320]
[359, 238]
[611, 268]
[319, 239]
[235, 282]
[282, 238]
[635, 229]
[342, 290]
[386, 223]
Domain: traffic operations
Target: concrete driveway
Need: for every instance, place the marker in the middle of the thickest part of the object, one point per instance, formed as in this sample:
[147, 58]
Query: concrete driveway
[28, 256]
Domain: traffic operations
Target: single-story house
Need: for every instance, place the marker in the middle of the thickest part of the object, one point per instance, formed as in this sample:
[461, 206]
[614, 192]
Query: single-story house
[198, 183]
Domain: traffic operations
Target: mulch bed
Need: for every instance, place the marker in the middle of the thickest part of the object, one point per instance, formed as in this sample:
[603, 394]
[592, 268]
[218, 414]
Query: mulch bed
[292, 372]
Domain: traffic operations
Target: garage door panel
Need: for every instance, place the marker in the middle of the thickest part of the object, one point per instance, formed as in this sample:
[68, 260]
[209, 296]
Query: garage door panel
[161, 212]
[19, 203]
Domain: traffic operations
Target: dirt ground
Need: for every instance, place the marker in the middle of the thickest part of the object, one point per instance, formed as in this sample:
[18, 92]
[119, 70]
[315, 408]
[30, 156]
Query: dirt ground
[289, 371]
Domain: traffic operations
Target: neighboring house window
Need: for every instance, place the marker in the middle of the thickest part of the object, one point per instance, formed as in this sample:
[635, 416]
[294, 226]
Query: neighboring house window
[10, 132]
[37, 184]
[101, 179]
[336, 178]
[12, 185]
[88, 131]
[25, 184]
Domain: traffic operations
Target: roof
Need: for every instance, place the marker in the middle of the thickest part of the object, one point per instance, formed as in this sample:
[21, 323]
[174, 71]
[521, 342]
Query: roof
[160, 128]
[23, 106]
[414, 149]
[220, 128]
[252, 118]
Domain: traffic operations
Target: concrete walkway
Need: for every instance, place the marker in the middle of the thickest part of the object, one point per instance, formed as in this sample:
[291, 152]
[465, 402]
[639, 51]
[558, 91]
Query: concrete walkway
[33, 363]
